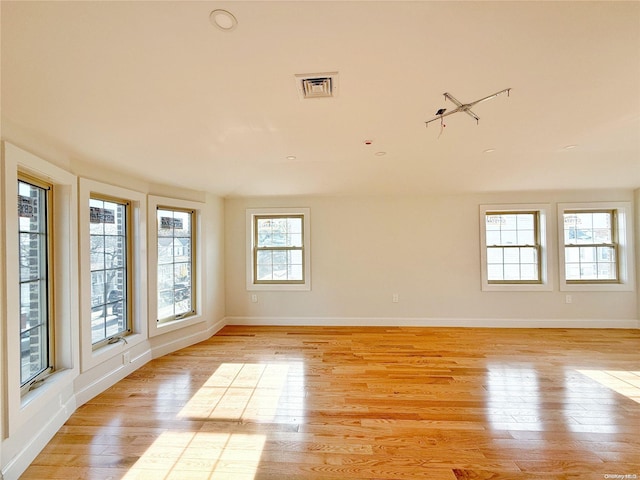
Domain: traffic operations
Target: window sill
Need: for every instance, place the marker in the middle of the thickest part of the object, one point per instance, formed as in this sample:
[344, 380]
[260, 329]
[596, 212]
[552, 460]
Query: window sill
[173, 325]
[516, 287]
[278, 287]
[51, 385]
[597, 287]
[110, 350]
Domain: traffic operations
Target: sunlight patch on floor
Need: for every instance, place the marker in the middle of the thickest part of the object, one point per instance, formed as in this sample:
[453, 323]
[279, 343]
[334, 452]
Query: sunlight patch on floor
[250, 391]
[200, 456]
[624, 382]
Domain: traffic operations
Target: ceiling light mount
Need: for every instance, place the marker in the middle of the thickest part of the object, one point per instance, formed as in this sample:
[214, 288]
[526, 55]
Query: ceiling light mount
[223, 20]
[463, 107]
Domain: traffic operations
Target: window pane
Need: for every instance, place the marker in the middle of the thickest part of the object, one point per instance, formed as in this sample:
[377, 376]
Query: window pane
[279, 232]
[265, 257]
[606, 271]
[175, 260]
[280, 271]
[525, 221]
[33, 261]
[494, 272]
[295, 257]
[526, 237]
[528, 272]
[528, 255]
[295, 272]
[572, 271]
[493, 237]
[509, 237]
[265, 272]
[588, 270]
[33, 352]
[512, 272]
[294, 225]
[182, 224]
[494, 255]
[31, 265]
[108, 253]
[165, 250]
[511, 255]
[294, 240]
[509, 222]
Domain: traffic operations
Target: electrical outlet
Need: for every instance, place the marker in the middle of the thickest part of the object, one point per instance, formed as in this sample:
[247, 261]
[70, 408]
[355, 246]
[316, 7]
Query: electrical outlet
[254, 298]
[568, 299]
[395, 298]
[126, 358]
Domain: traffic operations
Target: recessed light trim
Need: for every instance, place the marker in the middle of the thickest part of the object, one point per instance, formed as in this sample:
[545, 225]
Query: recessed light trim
[291, 157]
[223, 20]
[380, 154]
[489, 150]
[570, 147]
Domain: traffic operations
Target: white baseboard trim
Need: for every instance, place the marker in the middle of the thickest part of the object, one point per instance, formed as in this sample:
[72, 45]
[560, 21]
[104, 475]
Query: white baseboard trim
[156, 351]
[183, 342]
[18, 464]
[100, 384]
[435, 322]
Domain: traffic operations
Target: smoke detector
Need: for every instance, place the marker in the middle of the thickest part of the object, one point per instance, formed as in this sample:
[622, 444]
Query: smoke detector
[317, 85]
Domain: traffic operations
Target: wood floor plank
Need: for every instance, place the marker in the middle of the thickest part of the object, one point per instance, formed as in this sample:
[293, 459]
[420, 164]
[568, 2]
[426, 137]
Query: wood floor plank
[366, 403]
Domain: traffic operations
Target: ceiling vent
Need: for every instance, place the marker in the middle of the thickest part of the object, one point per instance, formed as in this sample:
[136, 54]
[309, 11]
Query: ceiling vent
[317, 85]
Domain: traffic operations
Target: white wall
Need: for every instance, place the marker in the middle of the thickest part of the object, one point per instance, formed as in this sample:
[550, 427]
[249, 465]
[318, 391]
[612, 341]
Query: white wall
[28, 422]
[425, 249]
[637, 241]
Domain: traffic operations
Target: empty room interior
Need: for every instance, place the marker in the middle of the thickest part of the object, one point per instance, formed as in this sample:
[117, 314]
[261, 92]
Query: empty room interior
[320, 240]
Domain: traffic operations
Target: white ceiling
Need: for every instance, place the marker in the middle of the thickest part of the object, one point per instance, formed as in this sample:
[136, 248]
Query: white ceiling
[154, 90]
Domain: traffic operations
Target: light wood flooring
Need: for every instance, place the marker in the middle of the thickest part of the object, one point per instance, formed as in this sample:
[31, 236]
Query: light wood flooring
[376, 403]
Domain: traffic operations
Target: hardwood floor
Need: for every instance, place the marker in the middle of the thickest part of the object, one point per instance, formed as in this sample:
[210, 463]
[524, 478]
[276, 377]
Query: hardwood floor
[375, 403]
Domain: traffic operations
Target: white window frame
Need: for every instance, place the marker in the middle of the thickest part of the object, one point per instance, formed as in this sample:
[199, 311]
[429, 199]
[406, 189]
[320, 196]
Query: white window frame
[158, 328]
[546, 280]
[125, 204]
[625, 250]
[48, 281]
[21, 409]
[251, 213]
[90, 356]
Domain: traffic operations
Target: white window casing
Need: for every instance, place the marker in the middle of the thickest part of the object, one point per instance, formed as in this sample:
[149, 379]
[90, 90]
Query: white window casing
[22, 406]
[90, 356]
[544, 282]
[623, 234]
[157, 327]
[252, 283]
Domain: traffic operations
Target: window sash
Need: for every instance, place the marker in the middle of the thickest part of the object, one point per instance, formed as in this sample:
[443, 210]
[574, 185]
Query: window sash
[110, 305]
[292, 265]
[176, 299]
[35, 281]
[581, 245]
[508, 269]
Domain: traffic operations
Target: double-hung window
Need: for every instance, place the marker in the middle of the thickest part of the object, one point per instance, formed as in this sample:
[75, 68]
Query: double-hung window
[176, 268]
[35, 271]
[513, 247]
[596, 246]
[278, 252]
[278, 249]
[590, 246]
[110, 248]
